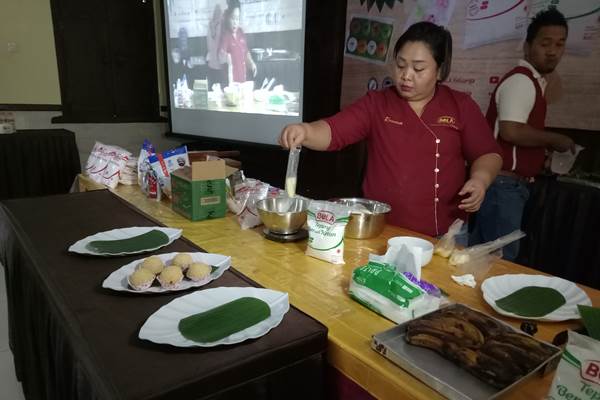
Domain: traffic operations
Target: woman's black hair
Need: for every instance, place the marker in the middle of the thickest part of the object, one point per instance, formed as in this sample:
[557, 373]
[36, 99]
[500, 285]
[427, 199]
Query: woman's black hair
[549, 17]
[437, 38]
[231, 5]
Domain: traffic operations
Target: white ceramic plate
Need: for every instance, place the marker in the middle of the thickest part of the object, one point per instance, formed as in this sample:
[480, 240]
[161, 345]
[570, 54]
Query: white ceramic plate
[497, 287]
[122, 233]
[162, 326]
[118, 279]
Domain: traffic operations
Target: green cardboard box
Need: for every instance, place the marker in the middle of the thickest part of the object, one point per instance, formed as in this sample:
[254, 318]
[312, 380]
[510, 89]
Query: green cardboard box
[199, 191]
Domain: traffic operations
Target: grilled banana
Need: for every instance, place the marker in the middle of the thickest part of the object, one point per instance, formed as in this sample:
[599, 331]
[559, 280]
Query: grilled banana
[528, 344]
[425, 340]
[459, 329]
[481, 345]
[511, 357]
[487, 326]
[494, 371]
[467, 357]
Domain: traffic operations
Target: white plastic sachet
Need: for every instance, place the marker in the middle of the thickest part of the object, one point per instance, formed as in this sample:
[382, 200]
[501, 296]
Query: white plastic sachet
[405, 259]
[578, 373]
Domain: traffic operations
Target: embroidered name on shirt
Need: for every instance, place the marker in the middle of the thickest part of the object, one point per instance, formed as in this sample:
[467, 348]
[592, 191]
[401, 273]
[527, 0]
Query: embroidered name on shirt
[393, 121]
[446, 120]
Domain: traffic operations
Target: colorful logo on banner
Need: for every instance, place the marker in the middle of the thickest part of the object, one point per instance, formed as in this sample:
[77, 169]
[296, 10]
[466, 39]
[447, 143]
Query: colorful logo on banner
[369, 39]
[380, 3]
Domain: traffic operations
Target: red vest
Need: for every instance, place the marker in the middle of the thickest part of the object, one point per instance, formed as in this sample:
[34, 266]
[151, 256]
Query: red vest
[524, 161]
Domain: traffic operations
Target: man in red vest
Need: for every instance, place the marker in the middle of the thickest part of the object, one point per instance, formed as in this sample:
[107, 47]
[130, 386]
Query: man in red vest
[516, 113]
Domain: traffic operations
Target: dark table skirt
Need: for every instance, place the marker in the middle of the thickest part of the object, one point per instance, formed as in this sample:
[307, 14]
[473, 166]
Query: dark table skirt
[37, 162]
[562, 222]
[72, 339]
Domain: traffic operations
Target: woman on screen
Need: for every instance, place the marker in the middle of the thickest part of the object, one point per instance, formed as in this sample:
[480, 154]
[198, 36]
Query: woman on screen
[234, 49]
[419, 135]
[216, 71]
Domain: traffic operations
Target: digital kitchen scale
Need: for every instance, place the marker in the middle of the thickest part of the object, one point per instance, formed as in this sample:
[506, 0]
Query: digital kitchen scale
[285, 238]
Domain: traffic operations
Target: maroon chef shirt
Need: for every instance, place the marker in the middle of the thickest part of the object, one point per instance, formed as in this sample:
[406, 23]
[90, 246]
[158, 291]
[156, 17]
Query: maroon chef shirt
[237, 47]
[416, 164]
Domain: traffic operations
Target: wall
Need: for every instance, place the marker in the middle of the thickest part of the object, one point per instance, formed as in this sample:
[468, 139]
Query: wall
[129, 136]
[29, 75]
[485, 48]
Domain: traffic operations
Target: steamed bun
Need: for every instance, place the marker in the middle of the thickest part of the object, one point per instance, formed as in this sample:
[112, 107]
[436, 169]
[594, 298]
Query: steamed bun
[153, 264]
[183, 260]
[198, 271]
[170, 277]
[141, 279]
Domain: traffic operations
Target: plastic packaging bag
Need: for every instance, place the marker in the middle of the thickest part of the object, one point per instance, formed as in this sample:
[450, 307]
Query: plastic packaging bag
[150, 185]
[465, 255]
[128, 175]
[231, 182]
[105, 164]
[142, 162]
[326, 225]
[578, 373]
[292, 171]
[562, 162]
[403, 258]
[445, 246]
[384, 290]
[166, 162]
[247, 194]
[478, 265]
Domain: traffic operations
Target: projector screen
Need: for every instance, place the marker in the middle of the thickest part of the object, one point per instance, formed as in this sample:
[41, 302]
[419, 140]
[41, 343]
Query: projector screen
[235, 67]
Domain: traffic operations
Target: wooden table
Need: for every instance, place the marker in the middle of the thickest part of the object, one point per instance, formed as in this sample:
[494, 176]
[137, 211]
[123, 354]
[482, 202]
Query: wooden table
[320, 290]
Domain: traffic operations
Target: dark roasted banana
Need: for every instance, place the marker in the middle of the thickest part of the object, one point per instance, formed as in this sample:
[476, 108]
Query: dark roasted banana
[528, 344]
[487, 326]
[479, 344]
[467, 357]
[494, 371]
[520, 356]
[459, 329]
[511, 357]
[425, 340]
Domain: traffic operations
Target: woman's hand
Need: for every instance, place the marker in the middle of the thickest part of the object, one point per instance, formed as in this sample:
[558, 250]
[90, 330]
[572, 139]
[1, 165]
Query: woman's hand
[313, 135]
[483, 172]
[474, 189]
[293, 135]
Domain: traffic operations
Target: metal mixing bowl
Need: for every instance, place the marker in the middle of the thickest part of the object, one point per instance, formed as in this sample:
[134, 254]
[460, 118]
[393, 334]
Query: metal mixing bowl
[365, 225]
[283, 214]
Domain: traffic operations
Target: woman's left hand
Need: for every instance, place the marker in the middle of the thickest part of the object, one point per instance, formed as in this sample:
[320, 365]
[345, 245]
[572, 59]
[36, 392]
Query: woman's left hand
[474, 189]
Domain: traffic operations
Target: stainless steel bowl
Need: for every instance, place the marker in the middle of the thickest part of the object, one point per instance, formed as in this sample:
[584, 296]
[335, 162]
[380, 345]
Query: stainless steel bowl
[283, 214]
[365, 225]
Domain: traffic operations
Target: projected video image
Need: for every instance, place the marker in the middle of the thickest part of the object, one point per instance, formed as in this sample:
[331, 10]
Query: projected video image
[236, 55]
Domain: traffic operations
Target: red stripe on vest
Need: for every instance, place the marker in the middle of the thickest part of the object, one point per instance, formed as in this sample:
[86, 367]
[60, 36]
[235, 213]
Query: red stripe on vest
[529, 160]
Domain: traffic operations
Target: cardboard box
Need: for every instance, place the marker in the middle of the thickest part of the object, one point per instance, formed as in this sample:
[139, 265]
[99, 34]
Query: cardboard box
[199, 190]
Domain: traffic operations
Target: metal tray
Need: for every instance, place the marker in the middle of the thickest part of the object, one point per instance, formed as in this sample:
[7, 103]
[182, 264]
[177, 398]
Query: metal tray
[443, 375]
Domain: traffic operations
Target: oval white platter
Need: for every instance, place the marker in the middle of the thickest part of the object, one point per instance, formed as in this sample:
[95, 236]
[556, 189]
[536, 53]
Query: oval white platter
[118, 279]
[497, 287]
[162, 326]
[80, 246]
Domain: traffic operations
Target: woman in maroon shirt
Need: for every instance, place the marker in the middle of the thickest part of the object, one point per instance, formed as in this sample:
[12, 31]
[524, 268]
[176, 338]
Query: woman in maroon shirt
[233, 48]
[419, 136]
